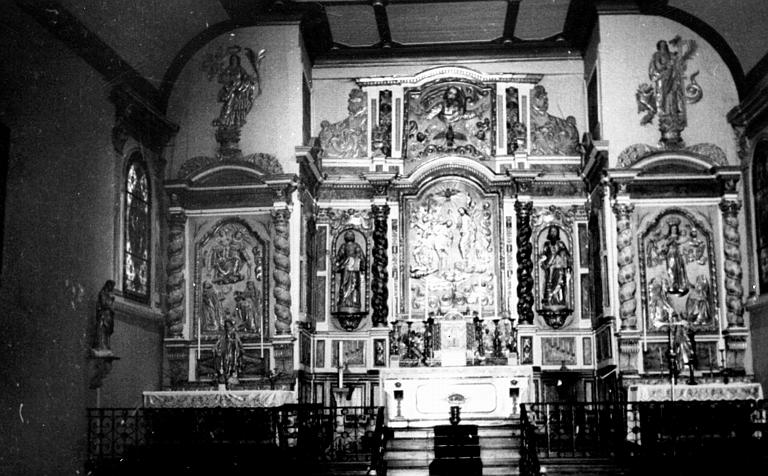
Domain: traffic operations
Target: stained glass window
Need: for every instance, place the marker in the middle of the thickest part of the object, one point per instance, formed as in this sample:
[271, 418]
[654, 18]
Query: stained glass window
[760, 181]
[137, 231]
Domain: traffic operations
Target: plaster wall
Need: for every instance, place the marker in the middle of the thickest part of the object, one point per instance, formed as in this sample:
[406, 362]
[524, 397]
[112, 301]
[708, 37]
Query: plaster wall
[58, 248]
[274, 124]
[627, 43]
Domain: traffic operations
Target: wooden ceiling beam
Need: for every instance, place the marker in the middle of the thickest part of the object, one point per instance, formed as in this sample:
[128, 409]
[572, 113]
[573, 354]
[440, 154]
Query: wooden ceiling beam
[510, 21]
[579, 22]
[446, 52]
[382, 23]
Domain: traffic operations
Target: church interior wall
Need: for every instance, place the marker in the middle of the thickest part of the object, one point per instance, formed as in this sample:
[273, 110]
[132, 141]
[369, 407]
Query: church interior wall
[58, 251]
[274, 127]
[627, 43]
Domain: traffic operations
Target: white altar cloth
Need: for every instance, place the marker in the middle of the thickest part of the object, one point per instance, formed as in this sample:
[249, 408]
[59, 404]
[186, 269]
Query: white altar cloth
[218, 399]
[701, 392]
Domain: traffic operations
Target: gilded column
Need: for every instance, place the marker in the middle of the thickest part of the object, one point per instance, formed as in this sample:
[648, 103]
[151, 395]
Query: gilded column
[733, 272]
[380, 277]
[174, 318]
[626, 262]
[524, 262]
[281, 274]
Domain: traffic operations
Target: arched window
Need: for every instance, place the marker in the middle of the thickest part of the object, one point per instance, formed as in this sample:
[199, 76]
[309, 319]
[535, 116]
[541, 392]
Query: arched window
[137, 227]
[760, 183]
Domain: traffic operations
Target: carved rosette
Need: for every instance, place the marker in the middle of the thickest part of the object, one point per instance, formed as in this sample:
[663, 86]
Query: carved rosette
[733, 272]
[524, 262]
[379, 273]
[626, 262]
[281, 274]
[175, 269]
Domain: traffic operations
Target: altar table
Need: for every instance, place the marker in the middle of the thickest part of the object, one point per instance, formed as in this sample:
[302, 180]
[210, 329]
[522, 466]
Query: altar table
[218, 399]
[700, 392]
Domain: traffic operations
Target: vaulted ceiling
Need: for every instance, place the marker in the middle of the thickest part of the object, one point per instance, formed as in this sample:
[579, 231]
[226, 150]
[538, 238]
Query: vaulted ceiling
[155, 37]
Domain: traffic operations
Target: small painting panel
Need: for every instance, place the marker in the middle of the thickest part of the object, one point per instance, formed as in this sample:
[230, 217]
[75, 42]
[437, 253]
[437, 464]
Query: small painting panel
[320, 353]
[353, 350]
[526, 350]
[380, 352]
[654, 357]
[558, 350]
[586, 350]
[305, 350]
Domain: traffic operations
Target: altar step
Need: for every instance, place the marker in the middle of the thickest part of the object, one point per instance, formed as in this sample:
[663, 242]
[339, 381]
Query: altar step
[411, 450]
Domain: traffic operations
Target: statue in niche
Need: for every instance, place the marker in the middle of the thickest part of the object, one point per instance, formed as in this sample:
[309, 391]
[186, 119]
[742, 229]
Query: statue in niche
[381, 134]
[211, 308]
[105, 319]
[675, 263]
[555, 260]
[350, 263]
[515, 128]
[228, 353]
[551, 135]
[347, 139]
[698, 305]
[239, 90]
[667, 94]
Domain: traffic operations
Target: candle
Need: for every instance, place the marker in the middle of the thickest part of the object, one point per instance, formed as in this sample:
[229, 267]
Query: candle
[341, 366]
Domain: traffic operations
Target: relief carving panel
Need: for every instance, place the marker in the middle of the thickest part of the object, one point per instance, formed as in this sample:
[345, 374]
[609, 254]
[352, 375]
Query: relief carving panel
[452, 250]
[230, 280]
[449, 117]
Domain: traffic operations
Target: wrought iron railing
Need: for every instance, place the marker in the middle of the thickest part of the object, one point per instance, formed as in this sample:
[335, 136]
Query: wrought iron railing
[119, 439]
[378, 466]
[529, 459]
[112, 434]
[631, 433]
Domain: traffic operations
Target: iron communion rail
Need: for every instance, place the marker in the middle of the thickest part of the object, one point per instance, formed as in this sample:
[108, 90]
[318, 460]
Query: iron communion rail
[303, 437]
[233, 440]
[646, 435]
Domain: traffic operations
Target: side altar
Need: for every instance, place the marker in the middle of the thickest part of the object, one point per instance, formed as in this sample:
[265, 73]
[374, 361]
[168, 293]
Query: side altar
[423, 396]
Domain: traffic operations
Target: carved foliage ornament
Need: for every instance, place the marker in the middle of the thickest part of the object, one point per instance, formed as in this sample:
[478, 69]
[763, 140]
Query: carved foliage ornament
[668, 93]
[266, 163]
[346, 139]
[551, 135]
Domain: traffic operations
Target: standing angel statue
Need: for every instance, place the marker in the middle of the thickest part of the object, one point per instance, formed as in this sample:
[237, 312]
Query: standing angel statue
[239, 90]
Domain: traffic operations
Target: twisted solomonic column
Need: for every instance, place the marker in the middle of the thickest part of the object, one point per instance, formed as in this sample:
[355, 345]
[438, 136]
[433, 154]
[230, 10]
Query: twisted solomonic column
[733, 273]
[281, 273]
[174, 318]
[524, 262]
[379, 273]
[626, 262]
